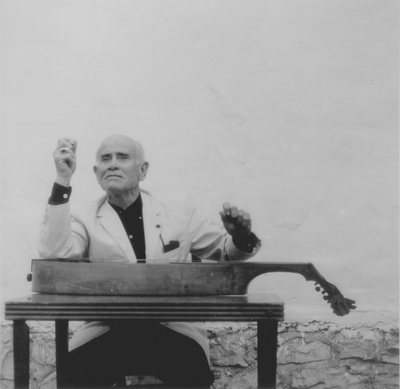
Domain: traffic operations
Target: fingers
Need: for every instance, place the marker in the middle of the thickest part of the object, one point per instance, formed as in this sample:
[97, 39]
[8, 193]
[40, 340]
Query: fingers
[66, 148]
[226, 209]
[229, 211]
[239, 221]
[65, 158]
[67, 145]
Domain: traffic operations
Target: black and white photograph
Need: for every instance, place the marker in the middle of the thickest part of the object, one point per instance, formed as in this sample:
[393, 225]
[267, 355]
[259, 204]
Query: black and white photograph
[199, 194]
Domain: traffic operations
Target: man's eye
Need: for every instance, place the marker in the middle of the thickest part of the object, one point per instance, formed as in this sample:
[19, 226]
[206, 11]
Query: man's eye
[123, 157]
[105, 158]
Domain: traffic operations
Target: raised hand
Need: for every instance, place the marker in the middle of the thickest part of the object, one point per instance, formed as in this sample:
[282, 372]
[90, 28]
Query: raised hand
[65, 160]
[236, 222]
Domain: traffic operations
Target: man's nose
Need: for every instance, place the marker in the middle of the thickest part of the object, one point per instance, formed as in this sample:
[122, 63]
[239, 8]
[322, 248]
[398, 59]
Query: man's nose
[113, 164]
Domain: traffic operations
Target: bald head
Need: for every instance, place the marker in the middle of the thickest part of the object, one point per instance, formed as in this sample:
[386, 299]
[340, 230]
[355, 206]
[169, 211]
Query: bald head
[120, 166]
[115, 140]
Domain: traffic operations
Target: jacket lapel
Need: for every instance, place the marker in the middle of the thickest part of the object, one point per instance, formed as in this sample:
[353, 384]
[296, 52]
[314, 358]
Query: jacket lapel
[111, 222]
[152, 225]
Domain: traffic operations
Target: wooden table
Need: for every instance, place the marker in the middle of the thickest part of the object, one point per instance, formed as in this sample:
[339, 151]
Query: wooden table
[265, 309]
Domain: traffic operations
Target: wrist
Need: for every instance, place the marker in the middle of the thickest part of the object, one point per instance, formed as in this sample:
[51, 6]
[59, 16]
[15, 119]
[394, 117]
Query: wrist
[60, 194]
[245, 243]
[63, 181]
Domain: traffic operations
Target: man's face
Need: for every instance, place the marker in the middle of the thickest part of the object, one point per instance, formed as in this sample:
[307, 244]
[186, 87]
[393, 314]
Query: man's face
[117, 168]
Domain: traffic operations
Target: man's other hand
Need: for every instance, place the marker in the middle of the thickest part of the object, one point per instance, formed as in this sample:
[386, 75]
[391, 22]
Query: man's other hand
[65, 160]
[236, 222]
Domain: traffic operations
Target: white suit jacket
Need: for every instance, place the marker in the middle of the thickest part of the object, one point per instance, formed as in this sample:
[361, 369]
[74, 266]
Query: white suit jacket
[95, 231]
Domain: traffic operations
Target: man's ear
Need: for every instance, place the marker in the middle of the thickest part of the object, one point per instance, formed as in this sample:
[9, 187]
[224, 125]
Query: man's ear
[143, 170]
[96, 171]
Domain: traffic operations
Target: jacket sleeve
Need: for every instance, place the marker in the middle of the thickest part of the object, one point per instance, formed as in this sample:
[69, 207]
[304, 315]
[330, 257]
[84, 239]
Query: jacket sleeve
[62, 235]
[210, 241]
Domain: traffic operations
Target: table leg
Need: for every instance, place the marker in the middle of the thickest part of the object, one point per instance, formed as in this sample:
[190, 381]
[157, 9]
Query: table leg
[21, 354]
[61, 351]
[267, 338]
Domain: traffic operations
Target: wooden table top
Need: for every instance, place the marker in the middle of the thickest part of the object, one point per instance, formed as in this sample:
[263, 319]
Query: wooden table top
[250, 307]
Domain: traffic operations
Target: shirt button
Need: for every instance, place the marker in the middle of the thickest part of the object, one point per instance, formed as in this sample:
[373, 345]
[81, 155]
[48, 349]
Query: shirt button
[65, 196]
[130, 236]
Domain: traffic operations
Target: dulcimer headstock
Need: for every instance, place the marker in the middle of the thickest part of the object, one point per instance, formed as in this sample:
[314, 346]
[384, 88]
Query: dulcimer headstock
[340, 305]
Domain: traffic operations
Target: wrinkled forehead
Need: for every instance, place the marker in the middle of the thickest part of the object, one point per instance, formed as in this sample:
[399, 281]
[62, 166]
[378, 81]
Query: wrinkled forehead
[118, 145]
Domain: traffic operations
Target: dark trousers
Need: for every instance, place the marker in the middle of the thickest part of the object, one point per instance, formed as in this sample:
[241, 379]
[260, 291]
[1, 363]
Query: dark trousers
[173, 358]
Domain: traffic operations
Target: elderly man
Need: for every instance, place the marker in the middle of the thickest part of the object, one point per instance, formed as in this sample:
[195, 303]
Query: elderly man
[130, 225]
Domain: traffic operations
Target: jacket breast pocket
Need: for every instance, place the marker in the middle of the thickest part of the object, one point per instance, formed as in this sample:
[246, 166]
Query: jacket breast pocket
[171, 246]
[173, 251]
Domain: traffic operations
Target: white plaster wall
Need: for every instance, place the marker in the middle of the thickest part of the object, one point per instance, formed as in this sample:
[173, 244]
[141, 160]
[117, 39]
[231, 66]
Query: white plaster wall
[288, 109]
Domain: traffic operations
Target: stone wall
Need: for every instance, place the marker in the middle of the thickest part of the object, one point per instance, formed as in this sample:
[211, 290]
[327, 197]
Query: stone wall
[317, 355]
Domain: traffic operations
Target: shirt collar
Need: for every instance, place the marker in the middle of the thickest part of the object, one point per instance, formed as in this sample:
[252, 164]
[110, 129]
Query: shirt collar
[136, 206]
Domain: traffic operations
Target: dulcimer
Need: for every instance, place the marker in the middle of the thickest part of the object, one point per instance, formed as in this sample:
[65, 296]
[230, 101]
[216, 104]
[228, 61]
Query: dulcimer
[83, 277]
